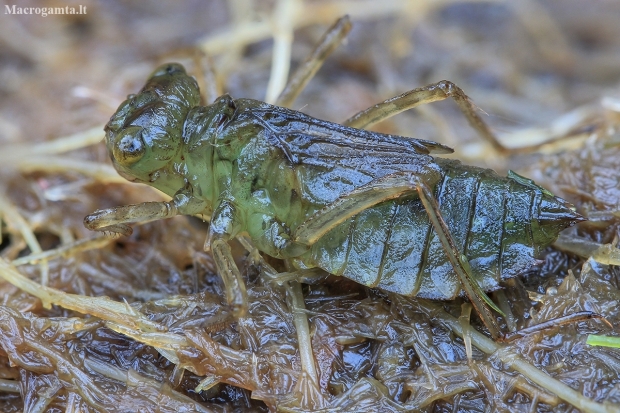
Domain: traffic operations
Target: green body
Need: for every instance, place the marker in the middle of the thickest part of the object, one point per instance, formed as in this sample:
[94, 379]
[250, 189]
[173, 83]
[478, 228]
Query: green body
[267, 169]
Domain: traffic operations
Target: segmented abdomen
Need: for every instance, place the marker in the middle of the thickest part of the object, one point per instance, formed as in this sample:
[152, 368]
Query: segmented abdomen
[393, 245]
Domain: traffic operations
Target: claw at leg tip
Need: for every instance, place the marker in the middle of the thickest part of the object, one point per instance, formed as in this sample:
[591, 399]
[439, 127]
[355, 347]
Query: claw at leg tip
[239, 311]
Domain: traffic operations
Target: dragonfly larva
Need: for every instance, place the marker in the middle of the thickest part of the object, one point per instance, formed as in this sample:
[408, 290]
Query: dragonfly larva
[375, 208]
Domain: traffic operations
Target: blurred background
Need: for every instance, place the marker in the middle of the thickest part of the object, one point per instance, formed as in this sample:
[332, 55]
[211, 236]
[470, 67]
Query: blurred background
[524, 63]
[544, 73]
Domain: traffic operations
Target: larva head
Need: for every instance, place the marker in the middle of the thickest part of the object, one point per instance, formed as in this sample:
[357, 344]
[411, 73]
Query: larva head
[146, 131]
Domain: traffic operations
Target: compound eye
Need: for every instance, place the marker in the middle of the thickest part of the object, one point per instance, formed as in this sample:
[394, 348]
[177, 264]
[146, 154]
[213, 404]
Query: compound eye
[129, 146]
[169, 69]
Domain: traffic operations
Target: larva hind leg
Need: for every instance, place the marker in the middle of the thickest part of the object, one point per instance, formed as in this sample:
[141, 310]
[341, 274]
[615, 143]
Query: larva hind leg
[460, 264]
[382, 189]
[427, 94]
[390, 187]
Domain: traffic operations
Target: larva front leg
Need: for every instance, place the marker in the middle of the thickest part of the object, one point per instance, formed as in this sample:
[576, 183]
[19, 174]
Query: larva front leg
[116, 220]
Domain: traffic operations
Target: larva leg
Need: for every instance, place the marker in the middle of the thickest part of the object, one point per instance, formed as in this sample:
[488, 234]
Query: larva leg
[427, 94]
[390, 187]
[224, 224]
[305, 276]
[382, 189]
[306, 71]
[459, 262]
[207, 80]
[567, 319]
[116, 220]
[236, 294]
